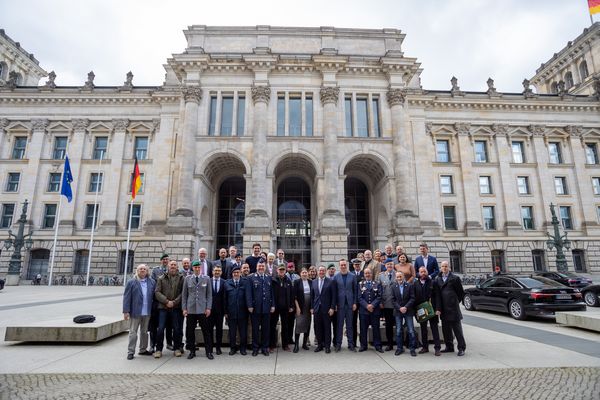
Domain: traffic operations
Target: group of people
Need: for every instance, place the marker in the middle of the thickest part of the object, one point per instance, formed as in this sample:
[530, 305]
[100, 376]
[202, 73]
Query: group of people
[265, 291]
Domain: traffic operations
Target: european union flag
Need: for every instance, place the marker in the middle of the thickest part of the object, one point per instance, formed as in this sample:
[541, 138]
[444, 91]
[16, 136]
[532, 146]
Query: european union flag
[67, 178]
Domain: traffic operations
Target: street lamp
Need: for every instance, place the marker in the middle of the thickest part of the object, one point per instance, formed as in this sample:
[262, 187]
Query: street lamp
[558, 242]
[17, 241]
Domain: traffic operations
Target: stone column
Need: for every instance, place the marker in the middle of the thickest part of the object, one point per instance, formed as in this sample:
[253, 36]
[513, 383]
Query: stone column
[469, 180]
[545, 182]
[29, 184]
[3, 124]
[406, 217]
[512, 210]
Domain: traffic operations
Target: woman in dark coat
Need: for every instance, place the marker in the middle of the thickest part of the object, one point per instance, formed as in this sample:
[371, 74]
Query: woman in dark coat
[302, 304]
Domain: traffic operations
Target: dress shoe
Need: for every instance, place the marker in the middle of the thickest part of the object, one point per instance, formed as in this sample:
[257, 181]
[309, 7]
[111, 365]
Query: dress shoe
[286, 348]
[398, 352]
[271, 349]
[389, 348]
[219, 352]
[178, 353]
[130, 356]
[232, 352]
[447, 350]
[210, 356]
[243, 352]
[191, 355]
[305, 347]
[337, 348]
[157, 354]
[352, 349]
[296, 348]
[318, 349]
[254, 353]
[327, 350]
[362, 349]
[379, 349]
[413, 353]
[265, 353]
[170, 347]
[461, 353]
[438, 353]
[423, 351]
[144, 353]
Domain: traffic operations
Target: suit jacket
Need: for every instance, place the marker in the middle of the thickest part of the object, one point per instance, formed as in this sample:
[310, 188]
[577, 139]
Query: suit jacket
[225, 270]
[386, 285]
[375, 267]
[323, 301]
[209, 267]
[425, 292]
[259, 294]
[157, 272]
[196, 297]
[404, 299]
[368, 296]
[218, 298]
[283, 293]
[235, 299]
[346, 293]
[433, 269]
[299, 291]
[449, 295]
[133, 298]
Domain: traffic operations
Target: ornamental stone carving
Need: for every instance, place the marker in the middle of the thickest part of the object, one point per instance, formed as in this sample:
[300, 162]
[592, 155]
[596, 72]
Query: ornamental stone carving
[492, 92]
[561, 88]
[120, 124]
[396, 97]
[39, 124]
[50, 82]
[527, 91]
[261, 93]
[536, 130]
[4, 123]
[80, 124]
[463, 128]
[192, 94]
[89, 84]
[128, 84]
[500, 129]
[429, 128]
[455, 90]
[155, 124]
[330, 94]
[596, 88]
[575, 130]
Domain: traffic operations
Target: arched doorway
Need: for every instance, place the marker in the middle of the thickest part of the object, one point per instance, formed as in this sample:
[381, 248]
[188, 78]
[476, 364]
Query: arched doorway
[230, 212]
[38, 263]
[294, 229]
[356, 201]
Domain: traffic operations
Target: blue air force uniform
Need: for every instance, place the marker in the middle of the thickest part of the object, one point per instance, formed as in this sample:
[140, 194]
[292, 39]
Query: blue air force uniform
[259, 296]
[369, 292]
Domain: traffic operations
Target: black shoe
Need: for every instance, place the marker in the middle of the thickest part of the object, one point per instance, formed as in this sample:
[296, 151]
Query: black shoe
[243, 352]
[447, 350]
[296, 348]
[130, 356]
[423, 351]
[327, 350]
[337, 348]
[389, 348]
[254, 353]
[461, 353]
[362, 349]
[210, 356]
[191, 355]
[305, 347]
[413, 353]
[352, 348]
[265, 353]
[232, 352]
[145, 353]
[398, 352]
[379, 349]
[219, 352]
[318, 349]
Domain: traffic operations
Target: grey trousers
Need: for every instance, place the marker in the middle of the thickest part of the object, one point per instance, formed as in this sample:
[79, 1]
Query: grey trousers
[140, 323]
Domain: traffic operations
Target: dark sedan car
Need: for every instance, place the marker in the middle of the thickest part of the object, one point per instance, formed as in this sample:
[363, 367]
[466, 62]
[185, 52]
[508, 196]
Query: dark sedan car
[522, 296]
[566, 278]
[591, 295]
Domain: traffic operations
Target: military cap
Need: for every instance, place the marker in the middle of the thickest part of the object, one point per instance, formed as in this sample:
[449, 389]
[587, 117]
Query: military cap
[389, 260]
[195, 263]
[165, 255]
[331, 266]
[356, 261]
[261, 260]
[236, 268]
[281, 266]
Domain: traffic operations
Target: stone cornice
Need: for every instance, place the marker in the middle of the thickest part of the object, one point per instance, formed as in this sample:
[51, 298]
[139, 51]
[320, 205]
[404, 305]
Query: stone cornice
[73, 96]
[483, 129]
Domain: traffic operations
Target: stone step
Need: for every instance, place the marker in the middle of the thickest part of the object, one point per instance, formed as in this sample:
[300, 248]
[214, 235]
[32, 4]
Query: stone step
[589, 319]
[65, 330]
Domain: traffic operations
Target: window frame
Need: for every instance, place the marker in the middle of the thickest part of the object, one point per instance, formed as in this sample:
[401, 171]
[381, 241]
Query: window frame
[521, 152]
[134, 216]
[446, 218]
[596, 185]
[19, 139]
[559, 156]
[486, 226]
[450, 184]
[446, 143]
[7, 187]
[89, 210]
[136, 149]
[99, 182]
[531, 218]
[562, 219]
[50, 183]
[527, 185]
[486, 156]
[59, 153]
[46, 216]
[564, 188]
[490, 189]
[591, 147]
[3, 215]
[95, 149]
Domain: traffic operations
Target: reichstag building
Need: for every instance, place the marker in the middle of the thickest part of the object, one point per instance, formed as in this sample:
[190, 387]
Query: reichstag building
[321, 141]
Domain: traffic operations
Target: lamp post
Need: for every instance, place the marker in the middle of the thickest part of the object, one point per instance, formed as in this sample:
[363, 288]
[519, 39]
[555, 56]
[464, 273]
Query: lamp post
[17, 242]
[559, 242]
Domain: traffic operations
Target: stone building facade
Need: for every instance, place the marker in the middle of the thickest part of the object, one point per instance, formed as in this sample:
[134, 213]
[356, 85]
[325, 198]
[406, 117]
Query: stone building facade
[317, 140]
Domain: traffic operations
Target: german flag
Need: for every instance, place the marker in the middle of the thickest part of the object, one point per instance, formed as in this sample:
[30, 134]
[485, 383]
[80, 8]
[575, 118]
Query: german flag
[136, 180]
[594, 6]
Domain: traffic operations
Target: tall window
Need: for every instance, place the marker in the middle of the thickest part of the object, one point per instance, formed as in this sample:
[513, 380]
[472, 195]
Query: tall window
[212, 126]
[596, 185]
[498, 260]
[89, 216]
[527, 217]
[518, 153]
[450, 218]
[456, 261]
[38, 263]
[442, 151]
[565, 217]
[362, 118]
[95, 182]
[100, 146]
[539, 261]
[295, 115]
[226, 116]
[446, 185]
[523, 185]
[367, 116]
[60, 148]
[54, 182]
[485, 185]
[375, 109]
[8, 212]
[49, 216]
[583, 70]
[294, 227]
[348, 116]
[481, 151]
[357, 216]
[560, 185]
[81, 261]
[591, 153]
[230, 213]
[241, 115]
[19, 148]
[568, 80]
[579, 260]
[12, 183]
[140, 149]
[136, 217]
[554, 153]
[489, 218]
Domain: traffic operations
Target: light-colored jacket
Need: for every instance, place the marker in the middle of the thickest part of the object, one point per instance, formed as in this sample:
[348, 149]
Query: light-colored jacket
[386, 284]
[196, 297]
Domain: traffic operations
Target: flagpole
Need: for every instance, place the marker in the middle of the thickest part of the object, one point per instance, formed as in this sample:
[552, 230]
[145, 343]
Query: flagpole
[89, 263]
[127, 246]
[55, 238]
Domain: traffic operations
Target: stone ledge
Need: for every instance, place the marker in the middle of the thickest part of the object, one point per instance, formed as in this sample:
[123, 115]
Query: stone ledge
[580, 319]
[65, 330]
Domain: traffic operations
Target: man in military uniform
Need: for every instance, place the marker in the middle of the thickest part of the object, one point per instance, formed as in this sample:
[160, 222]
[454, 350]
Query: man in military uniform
[196, 304]
[260, 301]
[236, 311]
[157, 272]
[369, 298]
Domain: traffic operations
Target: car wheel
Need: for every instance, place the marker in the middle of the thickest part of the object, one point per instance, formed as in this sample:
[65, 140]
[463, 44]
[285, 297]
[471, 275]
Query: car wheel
[591, 299]
[515, 308]
[468, 302]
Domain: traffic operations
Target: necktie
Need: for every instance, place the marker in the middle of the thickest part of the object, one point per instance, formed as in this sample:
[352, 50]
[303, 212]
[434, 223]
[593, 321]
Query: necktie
[320, 285]
[390, 277]
[215, 285]
[197, 280]
[235, 283]
[401, 290]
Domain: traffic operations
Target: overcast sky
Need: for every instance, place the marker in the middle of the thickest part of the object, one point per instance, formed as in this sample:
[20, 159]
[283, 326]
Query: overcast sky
[471, 39]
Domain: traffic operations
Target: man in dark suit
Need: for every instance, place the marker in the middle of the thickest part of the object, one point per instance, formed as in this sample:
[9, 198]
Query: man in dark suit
[217, 312]
[357, 271]
[196, 300]
[284, 303]
[427, 260]
[449, 296]
[225, 264]
[206, 266]
[346, 289]
[403, 297]
[322, 296]
[261, 303]
[236, 311]
[425, 291]
[369, 298]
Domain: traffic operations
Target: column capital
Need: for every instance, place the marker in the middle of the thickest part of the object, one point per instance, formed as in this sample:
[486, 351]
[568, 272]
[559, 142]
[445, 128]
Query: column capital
[120, 124]
[4, 123]
[396, 97]
[261, 93]
[329, 94]
[192, 94]
[537, 130]
[80, 123]
[463, 128]
[39, 124]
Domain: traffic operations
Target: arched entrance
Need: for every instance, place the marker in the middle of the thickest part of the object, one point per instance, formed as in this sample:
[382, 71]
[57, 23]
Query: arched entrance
[230, 212]
[356, 201]
[294, 229]
[38, 263]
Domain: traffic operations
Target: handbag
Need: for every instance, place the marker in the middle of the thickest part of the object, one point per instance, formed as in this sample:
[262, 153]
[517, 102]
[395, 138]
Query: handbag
[424, 312]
